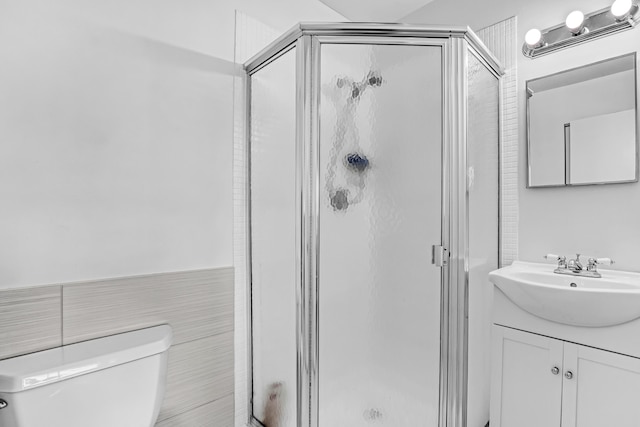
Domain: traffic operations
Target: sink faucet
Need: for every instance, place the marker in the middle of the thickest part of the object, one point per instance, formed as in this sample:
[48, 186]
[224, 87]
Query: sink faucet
[575, 265]
[575, 268]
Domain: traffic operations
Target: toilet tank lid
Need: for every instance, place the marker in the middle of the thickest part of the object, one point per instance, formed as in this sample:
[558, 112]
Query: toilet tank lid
[62, 363]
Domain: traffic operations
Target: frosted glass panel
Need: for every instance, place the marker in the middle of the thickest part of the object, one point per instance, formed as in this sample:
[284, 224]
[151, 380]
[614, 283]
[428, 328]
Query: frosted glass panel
[380, 212]
[273, 246]
[482, 152]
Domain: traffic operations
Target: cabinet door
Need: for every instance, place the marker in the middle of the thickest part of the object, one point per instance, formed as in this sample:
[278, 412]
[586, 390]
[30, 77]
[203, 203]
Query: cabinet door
[525, 391]
[603, 388]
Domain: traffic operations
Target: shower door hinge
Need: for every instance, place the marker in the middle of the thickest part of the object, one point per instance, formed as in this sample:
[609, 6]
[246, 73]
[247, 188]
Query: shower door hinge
[440, 256]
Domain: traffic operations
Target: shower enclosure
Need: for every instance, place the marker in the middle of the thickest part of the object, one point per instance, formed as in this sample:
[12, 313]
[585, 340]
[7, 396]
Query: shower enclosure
[372, 212]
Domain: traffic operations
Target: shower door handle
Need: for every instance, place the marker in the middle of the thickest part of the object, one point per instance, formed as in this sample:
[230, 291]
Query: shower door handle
[439, 256]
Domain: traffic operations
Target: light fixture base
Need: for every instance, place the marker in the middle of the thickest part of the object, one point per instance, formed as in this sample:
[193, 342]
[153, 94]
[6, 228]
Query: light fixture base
[596, 24]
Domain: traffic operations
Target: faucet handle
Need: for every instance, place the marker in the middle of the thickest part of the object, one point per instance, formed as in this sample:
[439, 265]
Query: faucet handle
[560, 259]
[593, 263]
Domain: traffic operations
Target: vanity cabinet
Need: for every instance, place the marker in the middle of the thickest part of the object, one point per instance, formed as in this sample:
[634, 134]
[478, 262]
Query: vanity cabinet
[539, 381]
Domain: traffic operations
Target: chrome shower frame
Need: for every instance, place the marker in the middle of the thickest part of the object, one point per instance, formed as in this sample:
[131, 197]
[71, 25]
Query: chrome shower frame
[456, 44]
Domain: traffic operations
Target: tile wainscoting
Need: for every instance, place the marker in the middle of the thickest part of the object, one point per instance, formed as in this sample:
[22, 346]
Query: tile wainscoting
[197, 304]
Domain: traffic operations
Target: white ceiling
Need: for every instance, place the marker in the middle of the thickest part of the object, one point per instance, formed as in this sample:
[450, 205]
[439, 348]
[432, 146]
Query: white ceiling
[375, 10]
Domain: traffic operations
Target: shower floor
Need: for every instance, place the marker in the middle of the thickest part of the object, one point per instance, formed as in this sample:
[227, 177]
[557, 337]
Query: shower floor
[375, 403]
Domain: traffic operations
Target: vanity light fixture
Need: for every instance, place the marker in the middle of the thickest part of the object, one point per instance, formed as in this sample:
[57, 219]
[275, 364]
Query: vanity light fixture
[578, 28]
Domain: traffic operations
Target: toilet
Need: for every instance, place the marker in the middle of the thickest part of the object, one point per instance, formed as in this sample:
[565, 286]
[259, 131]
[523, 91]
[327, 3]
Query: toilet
[107, 382]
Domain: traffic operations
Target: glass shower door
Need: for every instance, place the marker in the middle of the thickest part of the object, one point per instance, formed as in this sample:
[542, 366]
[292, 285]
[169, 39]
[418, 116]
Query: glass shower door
[273, 243]
[380, 212]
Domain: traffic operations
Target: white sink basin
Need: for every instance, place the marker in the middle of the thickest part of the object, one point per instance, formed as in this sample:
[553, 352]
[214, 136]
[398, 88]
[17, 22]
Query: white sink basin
[610, 300]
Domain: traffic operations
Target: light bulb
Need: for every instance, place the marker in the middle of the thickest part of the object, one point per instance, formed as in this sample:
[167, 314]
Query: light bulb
[621, 8]
[533, 38]
[575, 21]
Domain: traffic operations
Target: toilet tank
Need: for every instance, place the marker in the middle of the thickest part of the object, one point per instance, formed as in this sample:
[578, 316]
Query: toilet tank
[107, 382]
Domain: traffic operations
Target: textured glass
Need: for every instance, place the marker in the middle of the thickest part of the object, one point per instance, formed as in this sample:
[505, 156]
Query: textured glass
[273, 248]
[380, 212]
[482, 178]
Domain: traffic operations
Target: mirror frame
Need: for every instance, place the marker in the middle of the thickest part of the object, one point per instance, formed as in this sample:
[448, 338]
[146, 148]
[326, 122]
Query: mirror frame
[528, 125]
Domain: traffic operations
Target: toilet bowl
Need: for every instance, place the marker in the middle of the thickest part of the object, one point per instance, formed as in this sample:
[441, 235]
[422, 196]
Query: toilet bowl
[106, 382]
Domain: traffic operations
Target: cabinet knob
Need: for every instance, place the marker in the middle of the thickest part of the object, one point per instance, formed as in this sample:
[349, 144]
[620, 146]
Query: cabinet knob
[568, 375]
[555, 370]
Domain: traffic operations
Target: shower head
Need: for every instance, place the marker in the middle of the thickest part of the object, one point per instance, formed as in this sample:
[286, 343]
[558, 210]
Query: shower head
[356, 162]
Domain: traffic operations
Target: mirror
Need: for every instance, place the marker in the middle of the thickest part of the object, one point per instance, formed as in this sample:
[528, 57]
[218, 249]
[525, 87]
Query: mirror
[582, 125]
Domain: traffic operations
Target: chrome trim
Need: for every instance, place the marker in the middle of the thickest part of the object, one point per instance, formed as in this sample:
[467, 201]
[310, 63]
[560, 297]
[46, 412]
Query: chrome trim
[456, 388]
[380, 29]
[635, 90]
[529, 93]
[314, 237]
[272, 49]
[369, 30]
[482, 52]
[248, 249]
[445, 222]
[567, 153]
[252, 421]
[303, 113]
[380, 40]
[581, 273]
[528, 156]
[439, 255]
[276, 54]
[445, 285]
[309, 229]
[497, 73]
[501, 139]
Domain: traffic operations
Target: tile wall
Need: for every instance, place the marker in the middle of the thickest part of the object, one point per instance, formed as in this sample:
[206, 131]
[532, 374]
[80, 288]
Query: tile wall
[500, 38]
[197, 304]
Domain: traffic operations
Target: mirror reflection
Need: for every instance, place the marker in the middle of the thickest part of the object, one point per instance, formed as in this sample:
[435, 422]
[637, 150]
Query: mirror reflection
[582, 125]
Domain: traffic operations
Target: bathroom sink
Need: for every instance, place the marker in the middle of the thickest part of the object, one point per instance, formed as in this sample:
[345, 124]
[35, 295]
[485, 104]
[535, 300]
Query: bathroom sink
[572, 300]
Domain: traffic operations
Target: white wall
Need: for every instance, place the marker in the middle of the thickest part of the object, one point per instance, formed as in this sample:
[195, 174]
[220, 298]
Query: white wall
[116, 121]
[593, 220]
